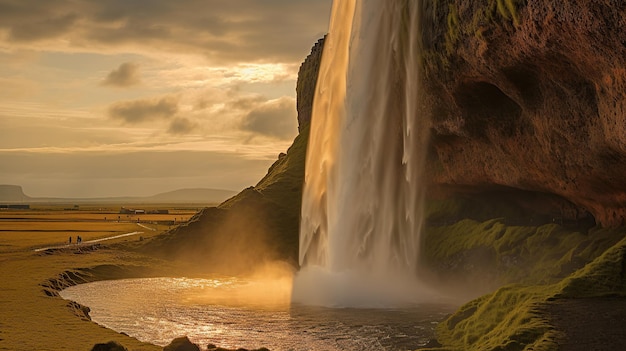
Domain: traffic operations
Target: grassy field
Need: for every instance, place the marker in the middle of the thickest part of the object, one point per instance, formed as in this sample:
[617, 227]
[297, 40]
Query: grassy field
[32, 320]
[47, 226]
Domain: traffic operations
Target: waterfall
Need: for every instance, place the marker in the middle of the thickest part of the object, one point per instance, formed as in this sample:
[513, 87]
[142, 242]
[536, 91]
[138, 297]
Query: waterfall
[363, 194]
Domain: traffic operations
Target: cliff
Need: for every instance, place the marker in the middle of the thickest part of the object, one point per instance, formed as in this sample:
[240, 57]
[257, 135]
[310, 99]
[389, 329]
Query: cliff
[527, 99]
[307, 80]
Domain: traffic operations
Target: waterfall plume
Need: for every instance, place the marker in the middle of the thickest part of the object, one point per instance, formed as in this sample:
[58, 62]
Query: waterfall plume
[363, 192]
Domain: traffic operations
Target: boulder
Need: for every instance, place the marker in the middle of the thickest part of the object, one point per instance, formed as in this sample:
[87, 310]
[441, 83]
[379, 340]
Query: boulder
[109, 346]
[181, 344]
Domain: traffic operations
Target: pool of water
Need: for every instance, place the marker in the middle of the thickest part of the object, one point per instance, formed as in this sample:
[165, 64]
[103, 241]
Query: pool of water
[233, 312]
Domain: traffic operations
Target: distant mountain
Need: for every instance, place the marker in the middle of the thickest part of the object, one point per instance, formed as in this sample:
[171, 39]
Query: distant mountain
[12, 193]
[15, 194]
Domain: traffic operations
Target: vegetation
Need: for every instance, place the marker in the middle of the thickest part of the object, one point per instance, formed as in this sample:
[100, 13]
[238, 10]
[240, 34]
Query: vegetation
[259, 224]
[504, 320]
[541, 263]
[511, 318]
[508, 9]
[463, 21]
[39, 228]
[523, 254]
[283, 183]
[602, 277]
[453, 28]
[33, 316]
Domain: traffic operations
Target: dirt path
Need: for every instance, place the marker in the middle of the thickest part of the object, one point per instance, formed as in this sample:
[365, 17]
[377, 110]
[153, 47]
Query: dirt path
[88, 242]
[594, 324]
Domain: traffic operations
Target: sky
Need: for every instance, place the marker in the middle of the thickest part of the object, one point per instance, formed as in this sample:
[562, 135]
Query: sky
[137, 97]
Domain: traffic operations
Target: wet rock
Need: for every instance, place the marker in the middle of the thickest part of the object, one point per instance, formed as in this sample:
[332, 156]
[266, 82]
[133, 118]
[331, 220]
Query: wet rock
[212, 347]
[109, 346]
[181, 344]
[432, 343]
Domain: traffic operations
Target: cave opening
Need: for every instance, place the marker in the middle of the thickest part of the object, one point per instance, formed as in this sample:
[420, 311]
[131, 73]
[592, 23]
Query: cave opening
[486, 109]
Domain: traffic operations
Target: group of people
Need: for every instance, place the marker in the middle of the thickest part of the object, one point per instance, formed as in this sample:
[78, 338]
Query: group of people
[78, 240]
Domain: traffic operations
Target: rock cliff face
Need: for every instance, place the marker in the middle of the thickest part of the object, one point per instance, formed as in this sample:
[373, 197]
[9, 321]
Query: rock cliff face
[530, 96]
[307, 80]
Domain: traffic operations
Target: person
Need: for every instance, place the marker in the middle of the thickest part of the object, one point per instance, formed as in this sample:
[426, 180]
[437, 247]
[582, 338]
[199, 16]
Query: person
[70, 240]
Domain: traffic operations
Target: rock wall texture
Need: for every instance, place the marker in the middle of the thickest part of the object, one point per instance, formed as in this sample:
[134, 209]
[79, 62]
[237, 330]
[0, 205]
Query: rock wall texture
[307, 80]
[530, 96]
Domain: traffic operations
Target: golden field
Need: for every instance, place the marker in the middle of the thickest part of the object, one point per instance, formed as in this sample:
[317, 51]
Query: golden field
[30, 319]
[43, 227]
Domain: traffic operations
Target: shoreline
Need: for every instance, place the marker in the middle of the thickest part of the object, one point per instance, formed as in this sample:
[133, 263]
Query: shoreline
[32, 281]
[30, 285]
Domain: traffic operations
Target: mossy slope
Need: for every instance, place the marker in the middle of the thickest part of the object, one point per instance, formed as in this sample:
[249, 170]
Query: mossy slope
[259, 224]
[513, 317]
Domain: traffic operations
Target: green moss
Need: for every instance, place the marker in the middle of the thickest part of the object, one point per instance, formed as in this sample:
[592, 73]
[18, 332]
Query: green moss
[284, 181]
[479, 207]
[522, 254]
[511, 318]
[504, 320]
[279, 194]
[508, 9]
[470, 21]
[452, 36]
[604, 276]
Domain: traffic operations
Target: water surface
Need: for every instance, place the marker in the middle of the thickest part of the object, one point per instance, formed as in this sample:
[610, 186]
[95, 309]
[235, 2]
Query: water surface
[232, 312]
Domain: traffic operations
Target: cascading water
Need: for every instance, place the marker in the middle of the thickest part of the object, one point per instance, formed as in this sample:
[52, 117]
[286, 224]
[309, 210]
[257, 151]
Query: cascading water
[361, 209]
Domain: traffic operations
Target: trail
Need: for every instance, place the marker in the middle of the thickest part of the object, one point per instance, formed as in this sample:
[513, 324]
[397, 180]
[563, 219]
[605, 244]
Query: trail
[86, 242]
[146, 227]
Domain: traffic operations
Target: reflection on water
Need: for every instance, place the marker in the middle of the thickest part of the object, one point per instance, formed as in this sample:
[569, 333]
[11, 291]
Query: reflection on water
[232, 312]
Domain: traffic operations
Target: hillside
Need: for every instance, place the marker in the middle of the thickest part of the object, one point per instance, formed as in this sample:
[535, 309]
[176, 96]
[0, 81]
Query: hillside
[195, 195]
[261, 223]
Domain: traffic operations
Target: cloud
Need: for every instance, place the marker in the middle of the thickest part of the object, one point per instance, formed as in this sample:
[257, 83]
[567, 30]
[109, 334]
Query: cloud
[127, 74]
[274, 118]
[42, 28]
[223, 31]
[138, 111]
[244, 103]
[180, 126]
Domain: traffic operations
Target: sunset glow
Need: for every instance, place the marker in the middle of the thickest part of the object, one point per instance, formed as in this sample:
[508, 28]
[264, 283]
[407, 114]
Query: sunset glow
[106, 82]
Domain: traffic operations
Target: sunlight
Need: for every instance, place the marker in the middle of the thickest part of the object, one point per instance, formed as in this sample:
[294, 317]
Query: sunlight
[265, 72]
